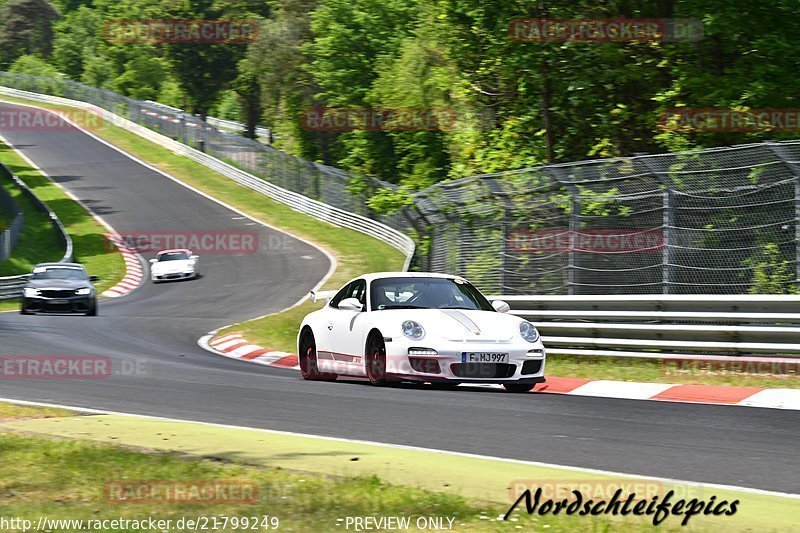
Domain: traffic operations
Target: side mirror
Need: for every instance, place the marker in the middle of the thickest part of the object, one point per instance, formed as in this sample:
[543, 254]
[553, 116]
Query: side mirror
[94, 278]
[350, 304]
[500, 306]
[153, 261]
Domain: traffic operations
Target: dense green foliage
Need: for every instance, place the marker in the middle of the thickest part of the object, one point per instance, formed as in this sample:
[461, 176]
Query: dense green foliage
[513, 103]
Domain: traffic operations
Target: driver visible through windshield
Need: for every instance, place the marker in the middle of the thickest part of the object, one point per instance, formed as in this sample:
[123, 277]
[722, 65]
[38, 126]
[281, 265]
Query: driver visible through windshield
[426, 293]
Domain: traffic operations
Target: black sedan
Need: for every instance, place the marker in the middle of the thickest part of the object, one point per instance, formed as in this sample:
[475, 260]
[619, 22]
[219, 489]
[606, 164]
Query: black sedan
[59, 288]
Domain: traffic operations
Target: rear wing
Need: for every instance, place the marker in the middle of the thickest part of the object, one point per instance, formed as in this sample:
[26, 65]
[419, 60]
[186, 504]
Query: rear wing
[321, 295]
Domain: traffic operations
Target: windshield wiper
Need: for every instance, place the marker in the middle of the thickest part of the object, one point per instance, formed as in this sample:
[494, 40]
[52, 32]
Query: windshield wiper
[403, 307]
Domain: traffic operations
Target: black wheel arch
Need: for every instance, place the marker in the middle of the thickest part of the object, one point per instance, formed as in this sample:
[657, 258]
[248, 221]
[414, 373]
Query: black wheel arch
[374, 332]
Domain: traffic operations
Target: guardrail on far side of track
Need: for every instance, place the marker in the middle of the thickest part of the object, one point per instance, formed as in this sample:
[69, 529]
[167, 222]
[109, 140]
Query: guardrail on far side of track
[664, 326]
[10, 234]
[11, 286]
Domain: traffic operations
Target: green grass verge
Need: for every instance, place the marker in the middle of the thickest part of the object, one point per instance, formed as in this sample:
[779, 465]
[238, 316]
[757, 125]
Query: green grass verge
[657, 371]
[10, 411]
[36, 477]
[39, 242]
[309, 483]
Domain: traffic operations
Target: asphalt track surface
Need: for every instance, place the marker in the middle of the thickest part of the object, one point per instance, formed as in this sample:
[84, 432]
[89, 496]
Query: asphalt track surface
[157, 327]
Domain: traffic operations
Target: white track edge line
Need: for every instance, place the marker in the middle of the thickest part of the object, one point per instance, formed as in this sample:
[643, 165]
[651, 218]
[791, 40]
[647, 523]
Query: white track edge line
[411, 448]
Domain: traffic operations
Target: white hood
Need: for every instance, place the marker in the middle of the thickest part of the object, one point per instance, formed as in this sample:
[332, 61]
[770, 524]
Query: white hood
[462, 324]
[173, 267]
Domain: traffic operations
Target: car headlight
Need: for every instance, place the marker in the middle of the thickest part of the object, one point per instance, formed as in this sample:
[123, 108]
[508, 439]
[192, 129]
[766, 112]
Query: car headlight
[28, 291]
[528, 332]
[413, 330]
[83, 292]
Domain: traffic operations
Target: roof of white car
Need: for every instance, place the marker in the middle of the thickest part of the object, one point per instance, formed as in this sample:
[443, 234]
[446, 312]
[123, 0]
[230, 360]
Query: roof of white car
[175, 251]
[381, 275]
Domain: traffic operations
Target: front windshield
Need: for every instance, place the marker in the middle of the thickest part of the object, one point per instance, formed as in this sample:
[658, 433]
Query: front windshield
[59, 273]
[173, 256]
[426, 293]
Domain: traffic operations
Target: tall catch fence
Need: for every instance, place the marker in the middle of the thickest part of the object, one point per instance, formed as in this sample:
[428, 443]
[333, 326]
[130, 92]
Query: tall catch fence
[717, 221]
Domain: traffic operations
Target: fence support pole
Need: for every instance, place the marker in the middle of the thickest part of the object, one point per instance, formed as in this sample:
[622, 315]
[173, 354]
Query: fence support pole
[574, 227]
[797, 230]
[668, 224]
[666, 240]
[794, 168]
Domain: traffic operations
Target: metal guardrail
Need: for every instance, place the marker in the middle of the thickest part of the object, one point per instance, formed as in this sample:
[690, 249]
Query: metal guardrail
[10, 286]
[662, 325]
[219, 123]
[296, 201]
[10, 235]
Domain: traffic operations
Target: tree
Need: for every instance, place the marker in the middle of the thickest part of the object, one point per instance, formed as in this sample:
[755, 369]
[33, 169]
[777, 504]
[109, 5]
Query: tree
[77, 38]
[26, 28]
[33, 66]
[203, 70]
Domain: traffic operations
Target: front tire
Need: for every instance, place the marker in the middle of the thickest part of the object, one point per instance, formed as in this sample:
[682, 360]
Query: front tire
[308, 359]
[23, 310]
[92, 310]
[376, 360]
[519, 387]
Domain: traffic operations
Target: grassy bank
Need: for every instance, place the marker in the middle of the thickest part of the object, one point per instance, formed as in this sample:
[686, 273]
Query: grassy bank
[658, 371]
[39, 241]
[61, 468]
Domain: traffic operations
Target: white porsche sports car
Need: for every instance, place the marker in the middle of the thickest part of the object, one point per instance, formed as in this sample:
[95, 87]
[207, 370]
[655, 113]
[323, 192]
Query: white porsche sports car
[174, 264]
[403, 326]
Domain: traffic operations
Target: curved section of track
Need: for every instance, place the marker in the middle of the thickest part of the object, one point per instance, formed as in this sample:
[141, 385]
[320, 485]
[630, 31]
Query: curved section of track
[156, 330]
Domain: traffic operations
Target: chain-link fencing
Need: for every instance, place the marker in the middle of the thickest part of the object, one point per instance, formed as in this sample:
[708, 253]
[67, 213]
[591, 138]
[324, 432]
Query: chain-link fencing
[724, 220]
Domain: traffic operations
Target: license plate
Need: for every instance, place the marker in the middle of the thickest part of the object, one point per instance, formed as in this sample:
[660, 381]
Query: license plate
[59, 302]
[484, 357]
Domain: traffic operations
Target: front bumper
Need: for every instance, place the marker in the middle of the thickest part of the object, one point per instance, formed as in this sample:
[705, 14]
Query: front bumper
[72, 304]
[174, 276]
[526, 362]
